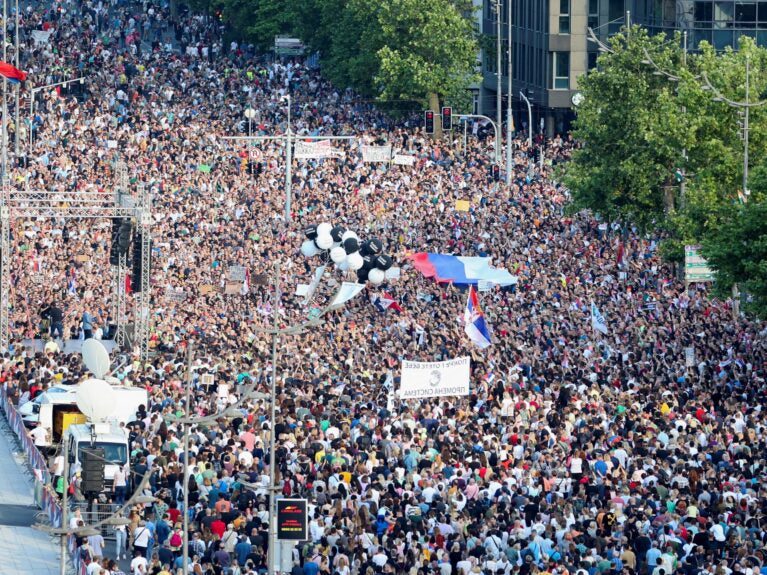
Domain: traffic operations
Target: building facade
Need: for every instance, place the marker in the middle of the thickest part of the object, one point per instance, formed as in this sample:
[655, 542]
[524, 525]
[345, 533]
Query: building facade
[551, 50]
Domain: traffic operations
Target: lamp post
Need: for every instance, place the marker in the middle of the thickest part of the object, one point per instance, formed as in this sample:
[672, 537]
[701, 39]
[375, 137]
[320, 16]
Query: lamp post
[499, 75]
[250, 113]
[64, 530]
[495, 128]
[509, 142]
[529, 120]
[34, 91]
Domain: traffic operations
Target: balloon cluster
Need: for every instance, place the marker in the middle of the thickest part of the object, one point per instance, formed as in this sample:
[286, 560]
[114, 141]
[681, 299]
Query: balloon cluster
[344, 249]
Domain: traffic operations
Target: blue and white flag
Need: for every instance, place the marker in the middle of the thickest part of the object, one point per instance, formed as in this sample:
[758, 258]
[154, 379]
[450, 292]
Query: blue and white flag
[474, 321]
[597, 319]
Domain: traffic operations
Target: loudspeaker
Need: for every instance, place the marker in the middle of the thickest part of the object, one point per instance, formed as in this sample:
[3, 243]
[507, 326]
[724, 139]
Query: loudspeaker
[92, 460]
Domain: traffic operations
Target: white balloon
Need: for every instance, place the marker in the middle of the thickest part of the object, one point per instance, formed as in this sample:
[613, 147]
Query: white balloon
[344, 265]
[338, 254]
[96, 399]
[348, 234]
[355, 261]
[376, 276]
[95, 357]
[324, 229]
[324, 242]
[309, 249]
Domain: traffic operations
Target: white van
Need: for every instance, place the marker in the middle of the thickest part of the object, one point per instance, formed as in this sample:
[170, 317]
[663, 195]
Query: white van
[56, 411]
[109, 436]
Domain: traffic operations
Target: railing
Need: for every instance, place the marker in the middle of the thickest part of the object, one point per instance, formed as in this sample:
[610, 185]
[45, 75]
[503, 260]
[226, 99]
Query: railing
[45, 496]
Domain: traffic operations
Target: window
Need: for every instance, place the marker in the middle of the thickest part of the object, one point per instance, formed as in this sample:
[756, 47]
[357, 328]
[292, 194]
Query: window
[561, 67]
[593, 14]
[564, 16]
[592, 60]
[762, 14]
[723, 14]
[704, 14]
[745, 13]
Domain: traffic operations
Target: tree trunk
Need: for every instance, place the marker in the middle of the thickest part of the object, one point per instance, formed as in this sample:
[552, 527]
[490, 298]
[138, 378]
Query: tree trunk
[434, 106]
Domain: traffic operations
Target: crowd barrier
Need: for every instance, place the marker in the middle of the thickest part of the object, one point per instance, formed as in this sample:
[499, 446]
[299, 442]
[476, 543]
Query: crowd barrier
[44, 496]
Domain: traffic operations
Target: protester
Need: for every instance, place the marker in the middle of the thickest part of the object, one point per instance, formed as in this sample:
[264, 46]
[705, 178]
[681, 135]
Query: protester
[577, 452]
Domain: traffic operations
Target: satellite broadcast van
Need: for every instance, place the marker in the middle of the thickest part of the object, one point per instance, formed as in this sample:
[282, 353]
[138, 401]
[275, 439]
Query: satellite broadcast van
[110, 437]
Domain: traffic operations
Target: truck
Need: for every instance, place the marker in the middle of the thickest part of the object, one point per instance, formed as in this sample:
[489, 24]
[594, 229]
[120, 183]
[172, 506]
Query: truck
[108, 436]
[56, 411]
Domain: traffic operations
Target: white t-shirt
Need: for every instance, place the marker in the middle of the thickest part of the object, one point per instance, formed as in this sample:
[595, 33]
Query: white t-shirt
[39, 435]
[138, 566]
[141, 536]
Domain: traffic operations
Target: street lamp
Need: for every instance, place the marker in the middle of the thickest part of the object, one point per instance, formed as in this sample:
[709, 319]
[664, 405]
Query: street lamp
[250, 113]
[529, 119]
[34, 91]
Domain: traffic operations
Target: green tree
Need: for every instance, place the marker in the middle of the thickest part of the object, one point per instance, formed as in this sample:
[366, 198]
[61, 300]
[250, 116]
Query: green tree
[737, 250]
[632, 131]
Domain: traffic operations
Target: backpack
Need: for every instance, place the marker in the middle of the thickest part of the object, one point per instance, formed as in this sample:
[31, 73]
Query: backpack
[175, 540]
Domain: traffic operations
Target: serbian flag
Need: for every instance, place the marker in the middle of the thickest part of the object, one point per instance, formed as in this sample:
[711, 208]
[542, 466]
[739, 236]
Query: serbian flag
[12, 73]
[474, 321]
[384, 301]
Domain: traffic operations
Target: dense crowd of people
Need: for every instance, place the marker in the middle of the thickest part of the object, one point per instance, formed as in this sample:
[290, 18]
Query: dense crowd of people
[577, 453]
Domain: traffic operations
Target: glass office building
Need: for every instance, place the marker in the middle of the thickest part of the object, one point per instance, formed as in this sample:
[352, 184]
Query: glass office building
[551, 49]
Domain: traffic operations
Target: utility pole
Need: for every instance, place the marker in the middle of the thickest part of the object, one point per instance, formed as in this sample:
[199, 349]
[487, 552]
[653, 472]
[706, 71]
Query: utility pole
[745, 133]
[5, 94]
[187, 425]
[17, 120]
[289, 138]
[272, 555]
[64, 514]
[499, 74]
[509, 141]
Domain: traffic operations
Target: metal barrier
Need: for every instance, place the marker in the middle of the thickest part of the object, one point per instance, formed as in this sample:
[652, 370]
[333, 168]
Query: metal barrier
[96, 512]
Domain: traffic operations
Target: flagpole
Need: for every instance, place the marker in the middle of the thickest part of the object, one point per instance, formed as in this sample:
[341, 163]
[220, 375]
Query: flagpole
[17, 116]
[5, 94]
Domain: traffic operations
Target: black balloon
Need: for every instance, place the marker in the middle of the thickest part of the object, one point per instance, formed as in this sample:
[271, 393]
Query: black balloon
[351, 245]
[311, 232]
[375, 246]
[362, 275]
[365, 249]
[369, 262]
[384, 262]
[336, 233]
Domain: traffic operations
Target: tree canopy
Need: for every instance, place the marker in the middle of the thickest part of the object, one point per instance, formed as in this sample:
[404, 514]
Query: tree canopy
[661, 148]
[389, 51]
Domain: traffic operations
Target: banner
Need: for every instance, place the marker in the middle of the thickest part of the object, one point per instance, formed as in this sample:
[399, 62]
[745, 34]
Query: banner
[348, 291]
[41, 36]
[315, 283]
[598, 322]
[404, 160]
[292, 520]
[236, 273]
[435, 379]
[462, 205]
[315, 150]
[376, 153]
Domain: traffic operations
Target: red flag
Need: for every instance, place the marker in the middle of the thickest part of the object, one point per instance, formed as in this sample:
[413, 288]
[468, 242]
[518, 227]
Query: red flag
[12, 73]
[619, 257]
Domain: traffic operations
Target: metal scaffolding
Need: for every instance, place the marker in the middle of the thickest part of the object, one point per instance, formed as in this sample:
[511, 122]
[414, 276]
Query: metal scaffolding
[23, 204]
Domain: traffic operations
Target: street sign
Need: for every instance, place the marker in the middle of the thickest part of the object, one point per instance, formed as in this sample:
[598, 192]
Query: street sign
[696, 267]
[292, 520]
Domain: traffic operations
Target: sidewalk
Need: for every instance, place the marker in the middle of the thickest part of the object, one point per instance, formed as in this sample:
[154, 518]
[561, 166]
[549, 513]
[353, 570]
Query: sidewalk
[22, 549]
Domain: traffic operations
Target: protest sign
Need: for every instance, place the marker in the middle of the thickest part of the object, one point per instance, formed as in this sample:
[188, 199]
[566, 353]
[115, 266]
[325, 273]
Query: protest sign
[435, 378]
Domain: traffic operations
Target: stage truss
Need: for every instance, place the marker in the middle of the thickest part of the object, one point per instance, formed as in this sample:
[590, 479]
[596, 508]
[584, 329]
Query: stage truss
[16, 204]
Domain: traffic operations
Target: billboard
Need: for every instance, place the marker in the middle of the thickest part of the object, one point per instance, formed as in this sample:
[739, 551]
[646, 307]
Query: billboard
[292, 520]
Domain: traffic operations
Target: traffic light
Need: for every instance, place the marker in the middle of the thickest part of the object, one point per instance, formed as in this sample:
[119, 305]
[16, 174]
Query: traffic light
[92, 460]
[495, 170]
[428, 116]
[447, 118]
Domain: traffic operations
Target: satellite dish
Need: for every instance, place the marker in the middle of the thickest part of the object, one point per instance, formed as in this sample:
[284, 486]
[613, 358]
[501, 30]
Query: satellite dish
[95, 357]
[96, 399]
